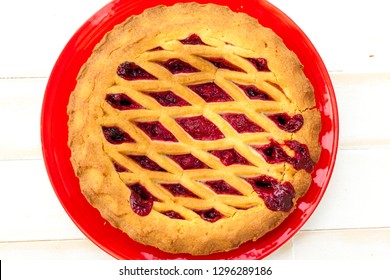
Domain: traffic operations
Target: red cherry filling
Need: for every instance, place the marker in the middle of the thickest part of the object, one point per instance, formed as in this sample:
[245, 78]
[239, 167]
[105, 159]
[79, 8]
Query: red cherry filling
[131, 71]
[121, 101]
[273, 153]
[211, 92]
[168, 99]
[222, 63]
[192, 40]
[229, 157]
[173, 215]
[179, 190]
[210, 215]
[260, 64]
[302, 159]
[200, 128]
[188, 161]
[116, 135]
[276, 196]
[156, 131]
[141, 200]
[286, 122]
[146, 163]
[241, 123]
[156, 49]
[221, 187]
[177, 66]
[120, 168]
[254, 93]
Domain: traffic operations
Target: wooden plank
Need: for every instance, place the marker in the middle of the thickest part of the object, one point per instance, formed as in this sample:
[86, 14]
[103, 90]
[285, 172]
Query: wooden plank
[84, 249]
[357, 244]
[357, 197]
[349, 37]
[20, 113]
[363, 109]
[76, 249]
[362, 118]
[354, 45]
[37, 31]
[29, 208]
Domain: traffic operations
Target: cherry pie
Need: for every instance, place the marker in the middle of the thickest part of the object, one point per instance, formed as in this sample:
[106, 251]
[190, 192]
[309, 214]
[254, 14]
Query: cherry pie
[193, 128]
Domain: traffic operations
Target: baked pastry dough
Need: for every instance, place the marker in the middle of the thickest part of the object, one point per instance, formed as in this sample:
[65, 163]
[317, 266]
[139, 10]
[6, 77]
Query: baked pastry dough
[193, 129]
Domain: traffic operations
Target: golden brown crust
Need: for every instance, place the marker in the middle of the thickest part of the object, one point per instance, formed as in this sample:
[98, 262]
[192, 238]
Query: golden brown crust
[245, 218]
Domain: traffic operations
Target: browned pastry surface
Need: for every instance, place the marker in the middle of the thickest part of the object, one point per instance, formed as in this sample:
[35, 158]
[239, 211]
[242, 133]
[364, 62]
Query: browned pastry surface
[193, 128]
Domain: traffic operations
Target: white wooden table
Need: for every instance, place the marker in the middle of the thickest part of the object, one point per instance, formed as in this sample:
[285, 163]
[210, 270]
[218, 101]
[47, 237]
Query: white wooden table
[353, 218]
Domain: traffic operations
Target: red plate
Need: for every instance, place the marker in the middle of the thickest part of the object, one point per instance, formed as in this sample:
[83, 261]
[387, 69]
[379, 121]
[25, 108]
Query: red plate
[54, 130]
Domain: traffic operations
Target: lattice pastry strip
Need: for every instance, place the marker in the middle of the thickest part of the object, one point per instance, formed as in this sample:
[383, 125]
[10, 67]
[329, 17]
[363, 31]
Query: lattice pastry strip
[199, 127]
[227, 122]
[219, 123]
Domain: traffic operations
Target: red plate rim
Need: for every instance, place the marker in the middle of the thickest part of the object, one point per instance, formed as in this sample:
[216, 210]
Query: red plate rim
[54, 131]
